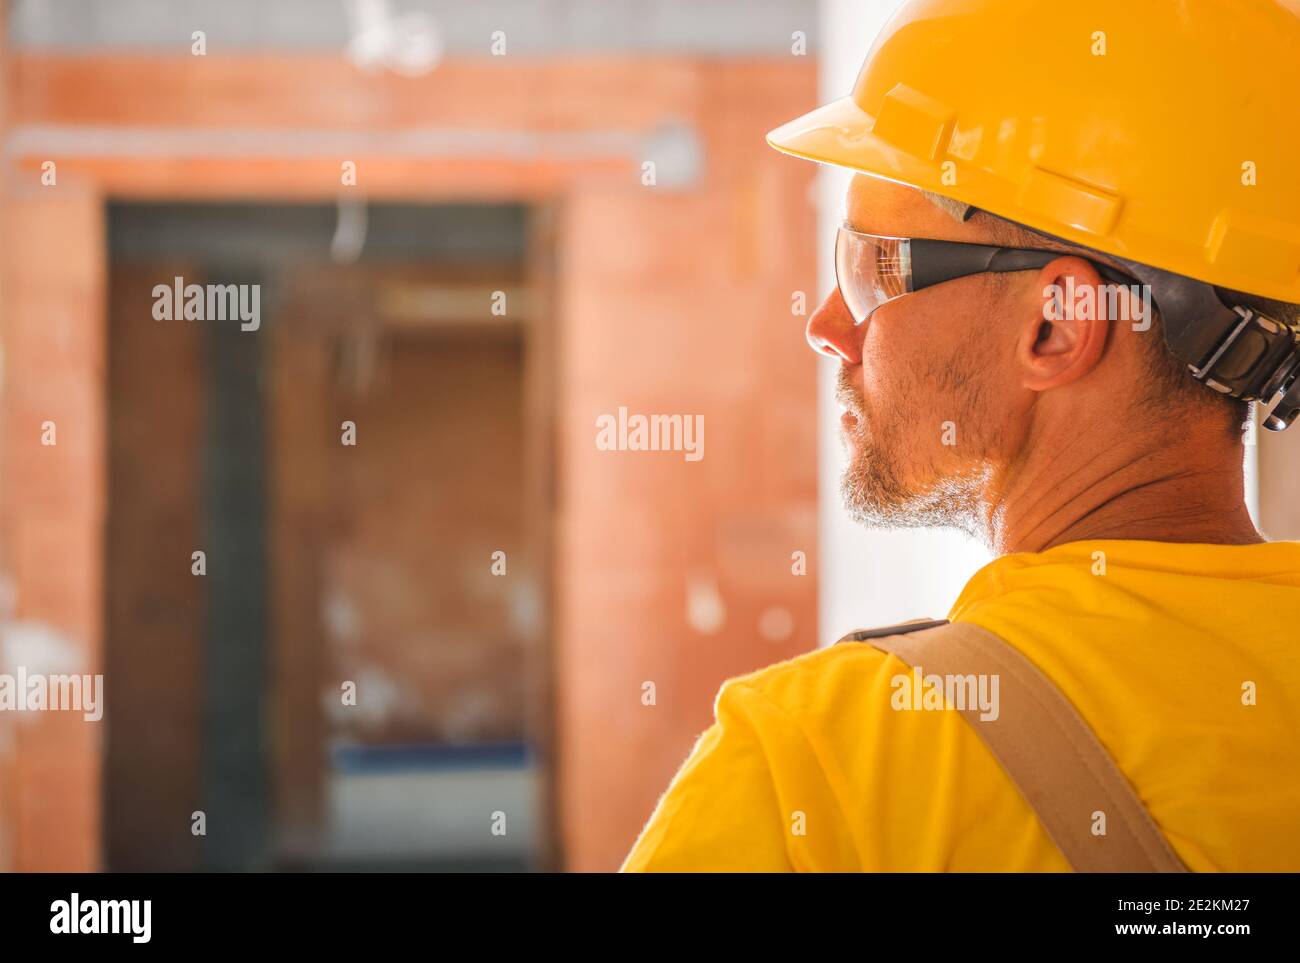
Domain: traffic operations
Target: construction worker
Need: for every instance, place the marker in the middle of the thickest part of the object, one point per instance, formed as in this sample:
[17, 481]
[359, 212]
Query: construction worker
[1070, 264]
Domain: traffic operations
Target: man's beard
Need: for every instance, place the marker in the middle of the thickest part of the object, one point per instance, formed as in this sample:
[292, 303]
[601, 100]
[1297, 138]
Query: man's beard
[873, 488]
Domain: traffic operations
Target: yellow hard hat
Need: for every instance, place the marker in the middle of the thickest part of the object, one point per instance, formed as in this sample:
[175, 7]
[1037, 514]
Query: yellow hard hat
[1166, 132]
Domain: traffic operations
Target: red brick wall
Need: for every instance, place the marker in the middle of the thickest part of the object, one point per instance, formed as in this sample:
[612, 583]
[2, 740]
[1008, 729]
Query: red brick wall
[678, 302]
[667, 301]
[52, 511]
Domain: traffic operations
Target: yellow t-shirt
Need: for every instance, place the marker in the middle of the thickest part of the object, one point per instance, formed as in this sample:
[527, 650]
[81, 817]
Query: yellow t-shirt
[809, 768]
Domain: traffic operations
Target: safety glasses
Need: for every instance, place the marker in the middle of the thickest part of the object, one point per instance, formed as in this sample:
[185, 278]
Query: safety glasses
[872, 269]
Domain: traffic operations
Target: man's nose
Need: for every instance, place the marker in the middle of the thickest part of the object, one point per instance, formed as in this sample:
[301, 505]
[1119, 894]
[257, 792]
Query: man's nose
[831, 331]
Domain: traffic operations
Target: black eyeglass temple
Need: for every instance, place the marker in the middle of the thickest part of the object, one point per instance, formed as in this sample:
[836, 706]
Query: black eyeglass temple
[934, 261]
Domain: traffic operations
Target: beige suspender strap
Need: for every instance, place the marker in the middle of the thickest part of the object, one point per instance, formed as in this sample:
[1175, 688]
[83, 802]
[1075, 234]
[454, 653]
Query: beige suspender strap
[1045, 746]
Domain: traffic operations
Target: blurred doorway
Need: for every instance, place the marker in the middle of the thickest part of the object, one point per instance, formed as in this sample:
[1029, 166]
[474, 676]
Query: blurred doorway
[354, 672]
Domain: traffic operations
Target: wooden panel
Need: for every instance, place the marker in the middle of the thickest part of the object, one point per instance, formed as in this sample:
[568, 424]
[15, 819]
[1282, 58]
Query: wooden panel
[155, 602]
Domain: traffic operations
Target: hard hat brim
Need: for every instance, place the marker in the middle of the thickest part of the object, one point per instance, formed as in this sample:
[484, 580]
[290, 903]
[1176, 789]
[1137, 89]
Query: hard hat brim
[840, 134]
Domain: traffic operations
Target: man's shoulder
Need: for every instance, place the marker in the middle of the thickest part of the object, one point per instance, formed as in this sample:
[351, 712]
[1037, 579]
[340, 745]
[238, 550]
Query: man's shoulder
[846, 672]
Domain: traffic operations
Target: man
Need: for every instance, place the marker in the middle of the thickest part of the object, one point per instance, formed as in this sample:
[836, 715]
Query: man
[1075, 391]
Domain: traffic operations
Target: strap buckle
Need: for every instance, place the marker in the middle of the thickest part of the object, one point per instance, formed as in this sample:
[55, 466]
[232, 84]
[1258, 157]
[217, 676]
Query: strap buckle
[1256, 361]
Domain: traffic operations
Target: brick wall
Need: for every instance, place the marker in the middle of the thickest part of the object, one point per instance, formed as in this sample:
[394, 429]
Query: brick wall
[667, 300]
[51, 516]
[679, 302]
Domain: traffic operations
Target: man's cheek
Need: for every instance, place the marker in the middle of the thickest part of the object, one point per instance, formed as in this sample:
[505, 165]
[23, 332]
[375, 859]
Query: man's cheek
[879, 372]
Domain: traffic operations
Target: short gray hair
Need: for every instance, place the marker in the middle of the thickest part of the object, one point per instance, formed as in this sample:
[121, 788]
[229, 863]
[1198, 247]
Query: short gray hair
[957, 210]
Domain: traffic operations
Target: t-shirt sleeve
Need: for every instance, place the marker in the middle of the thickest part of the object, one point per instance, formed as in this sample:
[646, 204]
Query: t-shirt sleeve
[720, 812]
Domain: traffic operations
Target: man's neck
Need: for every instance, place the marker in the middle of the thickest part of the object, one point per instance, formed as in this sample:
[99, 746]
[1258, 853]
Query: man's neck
[1129, 487]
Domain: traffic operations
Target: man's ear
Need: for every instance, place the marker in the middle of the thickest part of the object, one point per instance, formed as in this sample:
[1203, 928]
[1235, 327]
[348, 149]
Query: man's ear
[1065, 331]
